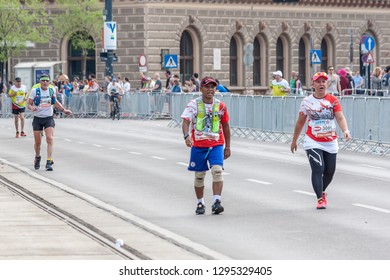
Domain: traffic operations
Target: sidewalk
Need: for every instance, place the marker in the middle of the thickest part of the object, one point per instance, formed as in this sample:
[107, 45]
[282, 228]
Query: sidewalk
[42, 219]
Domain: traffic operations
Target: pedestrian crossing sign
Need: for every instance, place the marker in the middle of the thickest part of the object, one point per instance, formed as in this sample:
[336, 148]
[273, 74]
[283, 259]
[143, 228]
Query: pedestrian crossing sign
[170, 61]
[316, 57]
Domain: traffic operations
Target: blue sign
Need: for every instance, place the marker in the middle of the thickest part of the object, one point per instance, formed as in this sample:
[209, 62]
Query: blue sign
[315, 56]
[369, 42]
[170, 61]
[39, 73]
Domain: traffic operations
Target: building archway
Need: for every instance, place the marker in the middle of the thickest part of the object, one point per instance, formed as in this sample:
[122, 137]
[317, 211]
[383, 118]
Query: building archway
[76, 61]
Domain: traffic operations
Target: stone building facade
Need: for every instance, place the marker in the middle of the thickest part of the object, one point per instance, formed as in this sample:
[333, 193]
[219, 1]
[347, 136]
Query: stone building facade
[209, 37]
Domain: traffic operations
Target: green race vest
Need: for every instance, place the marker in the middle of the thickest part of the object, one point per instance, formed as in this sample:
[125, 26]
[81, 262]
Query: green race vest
[201, 116]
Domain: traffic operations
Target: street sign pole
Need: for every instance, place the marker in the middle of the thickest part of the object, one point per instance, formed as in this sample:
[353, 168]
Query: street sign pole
[110, 53]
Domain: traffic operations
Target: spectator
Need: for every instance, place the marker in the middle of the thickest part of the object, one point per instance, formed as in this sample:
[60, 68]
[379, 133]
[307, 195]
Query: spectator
[127, 85]
[386, 80]
[376, 81]
[220, 87]
[197, 82]
[67, 90]
[333, 82]
[168, 82]
[176, 88]
[345, 85]
[359, 82]
[279, 86]
[3, 90]
[295, 83]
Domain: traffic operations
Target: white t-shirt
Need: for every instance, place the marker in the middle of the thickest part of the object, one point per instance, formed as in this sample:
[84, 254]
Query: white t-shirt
[45, 108]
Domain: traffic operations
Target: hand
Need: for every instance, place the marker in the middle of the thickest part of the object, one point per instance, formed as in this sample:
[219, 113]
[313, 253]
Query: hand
[293, 147]
[347, 135]
[67, 112]
[226, 153]
[188, 141]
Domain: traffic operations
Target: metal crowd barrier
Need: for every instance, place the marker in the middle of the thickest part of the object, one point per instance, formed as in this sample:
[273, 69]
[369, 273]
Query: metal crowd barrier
[270, 118]
[265, 118]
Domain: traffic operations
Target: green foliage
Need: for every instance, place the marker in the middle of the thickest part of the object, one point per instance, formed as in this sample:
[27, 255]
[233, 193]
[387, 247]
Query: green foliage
[80, 20]
[20, 24]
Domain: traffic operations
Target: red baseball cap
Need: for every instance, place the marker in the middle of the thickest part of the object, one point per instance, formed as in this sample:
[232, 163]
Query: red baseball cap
[320, 75]
[208, 80]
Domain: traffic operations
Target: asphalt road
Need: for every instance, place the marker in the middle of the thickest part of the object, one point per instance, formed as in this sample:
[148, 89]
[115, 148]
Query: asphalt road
[141, 167]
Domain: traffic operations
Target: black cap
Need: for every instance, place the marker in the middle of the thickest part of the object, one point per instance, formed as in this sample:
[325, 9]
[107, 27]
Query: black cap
[387, 69]
[18, 79]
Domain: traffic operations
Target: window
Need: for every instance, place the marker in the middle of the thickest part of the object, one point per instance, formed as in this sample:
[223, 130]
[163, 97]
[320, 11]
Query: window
[186, 56]
[279, 55]
[233, 62]
[324, 50]
[302, 61]
[256, 63]
[76, 61]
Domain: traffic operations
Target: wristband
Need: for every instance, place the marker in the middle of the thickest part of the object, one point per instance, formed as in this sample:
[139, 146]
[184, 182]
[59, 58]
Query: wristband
[186, 136]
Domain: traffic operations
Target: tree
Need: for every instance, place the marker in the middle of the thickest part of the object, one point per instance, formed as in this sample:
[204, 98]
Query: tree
[21, 22]
[80, 21]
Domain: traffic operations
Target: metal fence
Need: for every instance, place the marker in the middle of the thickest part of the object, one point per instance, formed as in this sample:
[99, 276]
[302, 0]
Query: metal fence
[265, 118]
[269, 118]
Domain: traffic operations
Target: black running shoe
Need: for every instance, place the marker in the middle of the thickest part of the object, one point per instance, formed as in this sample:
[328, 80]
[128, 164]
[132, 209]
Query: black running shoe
[37, 162]
[200, 209]
[48, 165]
[217, 207]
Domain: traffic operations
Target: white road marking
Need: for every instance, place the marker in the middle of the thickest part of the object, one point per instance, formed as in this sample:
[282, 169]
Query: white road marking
[259, 182]
[289, 153]
[66, 139]
[97, 145]
[182, 163]
[81, 142]
[159, 158]
[135, 153]
[306, 193]
[115, 149]
[372, 208]
[372, 166]
[255, 148]
[225, 173]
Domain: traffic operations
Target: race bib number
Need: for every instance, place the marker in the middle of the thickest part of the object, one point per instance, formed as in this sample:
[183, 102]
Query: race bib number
[45, 102]
[323, 128]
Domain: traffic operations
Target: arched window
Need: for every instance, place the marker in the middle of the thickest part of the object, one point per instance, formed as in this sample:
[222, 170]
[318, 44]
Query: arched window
[325, 58]
[233, 62]
[76, 61]
[186, 56]
[302, 61]
[256, 63]
[279, 55]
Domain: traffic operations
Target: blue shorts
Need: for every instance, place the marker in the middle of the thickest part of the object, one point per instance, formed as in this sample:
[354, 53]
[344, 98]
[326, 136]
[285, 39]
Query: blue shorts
[201, 156]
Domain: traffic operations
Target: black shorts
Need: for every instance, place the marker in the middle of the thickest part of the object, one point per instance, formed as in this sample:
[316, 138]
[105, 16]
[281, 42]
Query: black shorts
[112, 97]
[42, 123]
[18, 111]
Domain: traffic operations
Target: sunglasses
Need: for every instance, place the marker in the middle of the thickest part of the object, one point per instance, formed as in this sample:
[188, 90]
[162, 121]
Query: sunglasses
[45, 80]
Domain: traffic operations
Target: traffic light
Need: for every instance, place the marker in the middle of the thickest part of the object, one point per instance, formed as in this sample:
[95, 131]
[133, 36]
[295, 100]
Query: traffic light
[284, 1]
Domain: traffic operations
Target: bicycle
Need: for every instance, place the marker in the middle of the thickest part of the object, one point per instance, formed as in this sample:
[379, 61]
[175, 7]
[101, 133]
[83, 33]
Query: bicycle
[115, 107]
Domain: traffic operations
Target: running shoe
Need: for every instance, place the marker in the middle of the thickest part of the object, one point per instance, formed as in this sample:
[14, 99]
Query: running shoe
[17, 135]
[217, 207]
[48, 165]
[200, 209]
[37, 162]
[23, 134]
[321, 204]
[324, 198]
